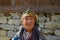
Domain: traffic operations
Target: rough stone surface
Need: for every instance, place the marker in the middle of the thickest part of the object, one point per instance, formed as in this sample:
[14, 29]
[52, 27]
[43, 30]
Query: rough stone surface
[7, 27]
[58, 26]
[49, 37]
[16, 21]
[15, 15]
[55, 18]
[42, 19]
[3, 33]
[17, 27]
[57, 32]
[3, 19]
[10, 21]
[11, 34]
[51, 25]
[41, 25]
[47, 31]
[4, 38]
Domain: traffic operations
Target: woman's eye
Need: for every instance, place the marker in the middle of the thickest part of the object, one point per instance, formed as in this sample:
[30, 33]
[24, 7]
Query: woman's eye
[28, 18]
[25, 18]
[31, 18]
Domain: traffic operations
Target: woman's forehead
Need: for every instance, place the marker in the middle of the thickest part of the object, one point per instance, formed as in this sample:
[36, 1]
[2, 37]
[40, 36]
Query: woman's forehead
[29, 17]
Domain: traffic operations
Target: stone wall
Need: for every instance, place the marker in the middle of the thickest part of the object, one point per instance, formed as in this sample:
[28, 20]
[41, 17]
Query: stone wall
[49, 25]
[9, 25]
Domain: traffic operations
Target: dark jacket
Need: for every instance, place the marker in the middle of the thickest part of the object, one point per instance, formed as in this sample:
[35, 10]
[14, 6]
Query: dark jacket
[17, 36]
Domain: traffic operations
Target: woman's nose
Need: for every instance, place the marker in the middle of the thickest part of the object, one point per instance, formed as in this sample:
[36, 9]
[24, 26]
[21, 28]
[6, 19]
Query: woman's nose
[28, 21]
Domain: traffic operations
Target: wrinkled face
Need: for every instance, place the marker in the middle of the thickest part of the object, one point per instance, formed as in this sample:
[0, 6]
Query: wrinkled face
[28, 22]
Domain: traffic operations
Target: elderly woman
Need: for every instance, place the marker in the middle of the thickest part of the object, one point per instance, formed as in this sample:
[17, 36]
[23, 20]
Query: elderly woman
[28, 30]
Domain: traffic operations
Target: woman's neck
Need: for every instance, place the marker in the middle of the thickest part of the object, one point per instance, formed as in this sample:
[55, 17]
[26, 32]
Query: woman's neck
[29, 31]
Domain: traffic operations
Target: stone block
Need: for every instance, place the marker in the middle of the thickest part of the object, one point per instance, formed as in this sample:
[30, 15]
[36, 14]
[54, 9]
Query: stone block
[10, 21]
[15, 15]
[7, 27]
[42, 19]
[3, 33]
[17, 27]
[49, 37]
[11, 34]
[51, 25]
[47, 31]
[3, 19]
[55, 18]
[4, 38]
[57, 32]
[16, 21]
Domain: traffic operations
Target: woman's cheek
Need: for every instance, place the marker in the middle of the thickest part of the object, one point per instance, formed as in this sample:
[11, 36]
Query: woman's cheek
[24, 22]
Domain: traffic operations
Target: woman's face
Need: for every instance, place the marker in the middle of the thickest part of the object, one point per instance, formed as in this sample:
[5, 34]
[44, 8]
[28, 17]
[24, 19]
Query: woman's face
[28, 22]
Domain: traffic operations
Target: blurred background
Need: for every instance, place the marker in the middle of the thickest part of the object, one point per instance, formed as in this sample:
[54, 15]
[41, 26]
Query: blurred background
[48, 12]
